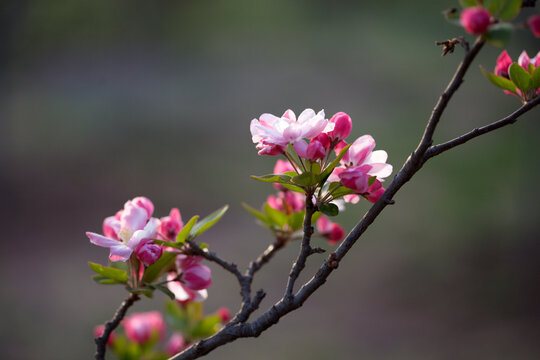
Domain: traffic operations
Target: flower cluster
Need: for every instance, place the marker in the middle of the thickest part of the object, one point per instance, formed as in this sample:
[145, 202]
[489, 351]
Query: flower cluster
[145, 333]
[307, 145]
[521, 78]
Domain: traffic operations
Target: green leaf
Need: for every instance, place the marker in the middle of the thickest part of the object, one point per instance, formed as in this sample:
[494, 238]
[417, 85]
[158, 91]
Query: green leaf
[207, 222]
[306, 179]
[168, 243]
[194, 312]
[535, 78]
[498, 34]
[273, 178]
[326, 173]
[329, 209]
[510, 9]
[203, 245]
[494, 6]
[371, 180]
[315, 216]
[294, 188]
[499, 81]
[342, 191]
[183, 234]
[315, 168]
[296, 220]
[103, 280]
[520, 77]
[257, 214]
[110, 272]
[531, 68]
[165, 262]
[206, 327]
[275, 216]
[176, 316]
[165, 290]
[468, 3]
[147, 291]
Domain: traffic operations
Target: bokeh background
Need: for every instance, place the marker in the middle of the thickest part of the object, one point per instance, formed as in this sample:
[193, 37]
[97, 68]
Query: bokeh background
[102, 101]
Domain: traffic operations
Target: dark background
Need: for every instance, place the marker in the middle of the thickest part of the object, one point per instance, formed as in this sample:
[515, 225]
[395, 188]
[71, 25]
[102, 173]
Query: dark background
[102, 101]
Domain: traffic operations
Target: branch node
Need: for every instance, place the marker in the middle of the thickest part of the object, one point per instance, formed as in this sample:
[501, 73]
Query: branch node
[390, 201]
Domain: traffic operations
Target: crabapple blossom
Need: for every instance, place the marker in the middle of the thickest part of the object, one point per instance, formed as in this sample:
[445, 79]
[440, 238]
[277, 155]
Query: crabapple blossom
[272, 134]
[342, 126]
[143, 327]
[148, 253]
[171, 225]
[315, 150]
[287, 201]
[534, 25]
[183, 294]
[197, 277]
[503, 63]
[175, 344]
[524, 59]
[225, 314]
[475, 20]
[332, 231]
[134, 227]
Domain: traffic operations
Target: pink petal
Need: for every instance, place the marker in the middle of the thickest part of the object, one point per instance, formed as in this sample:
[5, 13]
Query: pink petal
[524, 59]
[133, 218]
[101, 240]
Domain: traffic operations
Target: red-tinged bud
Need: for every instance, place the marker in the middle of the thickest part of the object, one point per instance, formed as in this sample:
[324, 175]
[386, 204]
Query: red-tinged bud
[224, 314]
[315, 151]
[374, 192]
[534, 25]
[475, 20]
[323, 139]
[332, 231]
[148, 253]
[342, 126]
[143, 327]
[171, 225]
[197, 277]
[175, 345]
[503, 63]
[98, 332]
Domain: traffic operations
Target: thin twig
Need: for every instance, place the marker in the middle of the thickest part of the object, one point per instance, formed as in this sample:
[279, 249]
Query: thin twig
[101, 342]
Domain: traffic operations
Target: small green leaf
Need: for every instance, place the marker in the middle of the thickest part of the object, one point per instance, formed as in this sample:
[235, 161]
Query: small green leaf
[165, 290]
[520, 77]
[468, 3]
[296, 220]
[273, 178]
[203, 245]
[207, 222]
[165, 262]
[194, 312]
[499, 81]
[315, 217]
[110, 272]
[535, 78]
[168, 243]
[498, 34]
[531, 68]
[326, 173]
[257, 214]
[315, 168]
[306, 179]
[494, 6]
[275, 216]
[176, 316]
[294, 188]
[147, 291]
[206, 327]
[510, 9]
[329, 209]
[183, 234]
[371, 180]
[103, 280]
[342, 191]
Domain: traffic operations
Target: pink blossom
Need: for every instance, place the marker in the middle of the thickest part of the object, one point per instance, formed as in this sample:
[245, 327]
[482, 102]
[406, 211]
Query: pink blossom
[282, 167]
[175, 344]
[315, 150]
[287, 201]
[171, 225]
[145, 203]
[111, 225]
[272, 134]
[524, 59]
[98, 332]
[197, 277]
[135, 227]
[144, 327]
[182, 293]
[475, 20]
[342, 126]
[503, 63]
[355, 178]
[332, 231]
[148, 253]
[224, 314]
[374, 192]
[534, 25]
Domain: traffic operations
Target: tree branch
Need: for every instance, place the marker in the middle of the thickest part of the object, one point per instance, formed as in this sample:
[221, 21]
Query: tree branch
[101, 342]
[510, 119]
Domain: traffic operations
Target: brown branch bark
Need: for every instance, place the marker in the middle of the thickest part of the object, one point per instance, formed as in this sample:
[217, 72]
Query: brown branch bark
[101, 342]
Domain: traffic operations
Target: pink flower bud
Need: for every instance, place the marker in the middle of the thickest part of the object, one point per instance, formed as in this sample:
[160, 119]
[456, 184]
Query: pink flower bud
[315, 150]
[197, 277]
[175, 345]
[282, 167]
[270, 149]
[224, 314]
[374, 192]
[98, 332]
[332, 231]
[323, 139]
[148, 253]
[534, 25]
[145, 203]
[475, 20]
[342, 127]
[503, 63]
[355, 178]
[171, 225]
[143, 327]
[524, 59]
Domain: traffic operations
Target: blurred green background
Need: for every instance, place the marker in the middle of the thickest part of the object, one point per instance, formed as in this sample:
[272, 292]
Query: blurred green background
[102, 101]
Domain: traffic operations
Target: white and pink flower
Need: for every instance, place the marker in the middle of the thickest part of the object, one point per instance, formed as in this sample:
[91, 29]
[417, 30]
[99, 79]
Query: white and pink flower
[143, 327]
[171, 225]
[272, 134]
